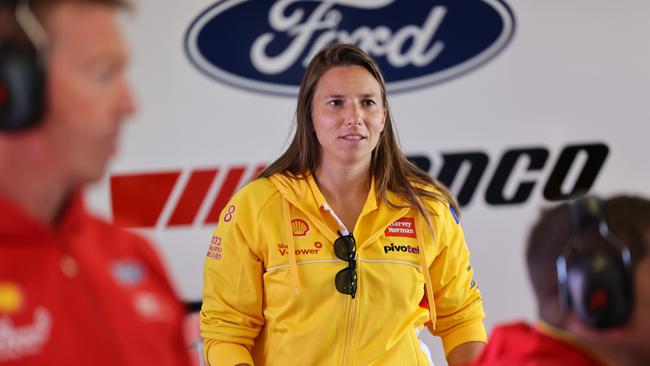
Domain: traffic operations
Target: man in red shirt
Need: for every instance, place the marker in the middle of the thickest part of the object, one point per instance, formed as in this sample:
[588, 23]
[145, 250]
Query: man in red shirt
[590, 269]
[74, 290]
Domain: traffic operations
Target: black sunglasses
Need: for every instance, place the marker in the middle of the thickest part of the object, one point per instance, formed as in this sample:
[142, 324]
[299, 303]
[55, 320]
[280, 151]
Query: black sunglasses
[345, 248]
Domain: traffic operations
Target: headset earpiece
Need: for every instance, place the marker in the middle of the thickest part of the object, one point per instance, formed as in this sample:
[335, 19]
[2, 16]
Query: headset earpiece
[592, 283]
[22, 89]
[22, 74]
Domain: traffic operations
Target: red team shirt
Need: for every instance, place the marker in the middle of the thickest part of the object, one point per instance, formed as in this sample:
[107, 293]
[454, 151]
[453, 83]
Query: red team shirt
[519, 344]
[83, 293]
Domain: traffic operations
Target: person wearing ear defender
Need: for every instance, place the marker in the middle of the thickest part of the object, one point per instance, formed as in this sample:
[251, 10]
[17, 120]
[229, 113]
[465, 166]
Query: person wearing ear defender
[589, 266]
[74, 289]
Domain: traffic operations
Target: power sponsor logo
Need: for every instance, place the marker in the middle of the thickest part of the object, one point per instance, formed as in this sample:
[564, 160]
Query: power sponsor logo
[175, 199]
[18, 341]
[401, 248]
[404, 227]
[214, 251]
[283, 249]
[299, 227]
[415, 43]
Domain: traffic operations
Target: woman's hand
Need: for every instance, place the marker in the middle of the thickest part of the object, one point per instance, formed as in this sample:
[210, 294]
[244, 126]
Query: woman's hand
[465, 353]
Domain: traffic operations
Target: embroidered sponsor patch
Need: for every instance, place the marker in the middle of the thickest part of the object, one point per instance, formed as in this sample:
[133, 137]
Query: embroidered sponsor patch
[401, 248]
[18, 341]
[404, 227]
[214, 251]
[11, 298]
[230, 212]
[283, 249]
[299, 227]
[151, 307]
[128, 272]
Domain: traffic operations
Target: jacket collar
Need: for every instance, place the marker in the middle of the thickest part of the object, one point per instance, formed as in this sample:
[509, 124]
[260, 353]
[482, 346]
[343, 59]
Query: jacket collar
[303, 193]
[18, 226]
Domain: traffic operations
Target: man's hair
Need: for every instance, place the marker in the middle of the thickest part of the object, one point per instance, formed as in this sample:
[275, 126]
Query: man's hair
[11, 32]
[627, 217]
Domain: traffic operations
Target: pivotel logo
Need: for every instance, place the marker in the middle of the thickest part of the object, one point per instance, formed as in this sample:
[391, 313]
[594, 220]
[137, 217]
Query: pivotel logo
[401, 248]
[265, 46]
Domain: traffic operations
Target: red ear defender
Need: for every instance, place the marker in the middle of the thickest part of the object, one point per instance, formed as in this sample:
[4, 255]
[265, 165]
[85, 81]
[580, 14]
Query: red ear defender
[598, 300]
[3, 95]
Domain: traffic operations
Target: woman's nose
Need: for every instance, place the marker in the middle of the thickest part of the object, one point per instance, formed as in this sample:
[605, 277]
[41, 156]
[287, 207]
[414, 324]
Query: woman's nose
[354, 115]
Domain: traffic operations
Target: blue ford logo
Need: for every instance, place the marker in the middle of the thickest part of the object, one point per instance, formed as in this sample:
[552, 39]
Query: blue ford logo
[265, 46]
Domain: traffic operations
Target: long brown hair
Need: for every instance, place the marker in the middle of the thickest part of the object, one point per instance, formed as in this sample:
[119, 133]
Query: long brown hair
[390, 168]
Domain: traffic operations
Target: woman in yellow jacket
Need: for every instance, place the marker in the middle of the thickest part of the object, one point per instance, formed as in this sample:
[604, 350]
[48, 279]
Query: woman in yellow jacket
[325, 259]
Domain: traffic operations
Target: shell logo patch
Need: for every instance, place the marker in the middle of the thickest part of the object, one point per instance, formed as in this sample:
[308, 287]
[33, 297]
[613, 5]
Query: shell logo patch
[299, 227]
[11, 298]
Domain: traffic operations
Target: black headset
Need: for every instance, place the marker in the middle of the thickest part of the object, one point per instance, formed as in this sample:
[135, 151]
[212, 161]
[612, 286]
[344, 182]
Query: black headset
[596, 286]
[22, 73]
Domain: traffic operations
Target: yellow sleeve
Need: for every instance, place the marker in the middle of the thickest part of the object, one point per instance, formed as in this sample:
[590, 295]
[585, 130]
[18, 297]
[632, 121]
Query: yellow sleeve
[231, 315]
[221, 353]
[458, 302]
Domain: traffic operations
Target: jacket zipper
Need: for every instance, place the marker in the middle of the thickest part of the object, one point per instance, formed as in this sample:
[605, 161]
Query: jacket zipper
[348, 336]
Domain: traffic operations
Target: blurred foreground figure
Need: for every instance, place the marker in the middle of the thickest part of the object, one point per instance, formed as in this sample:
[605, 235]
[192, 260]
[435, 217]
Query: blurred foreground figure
[590, 270]
[74, 290]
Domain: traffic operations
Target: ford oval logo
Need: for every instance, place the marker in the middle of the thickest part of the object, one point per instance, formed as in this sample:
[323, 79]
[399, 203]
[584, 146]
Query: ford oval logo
[265, 46]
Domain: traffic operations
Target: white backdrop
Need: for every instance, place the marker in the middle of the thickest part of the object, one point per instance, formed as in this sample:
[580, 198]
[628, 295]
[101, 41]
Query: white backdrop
[574, 73]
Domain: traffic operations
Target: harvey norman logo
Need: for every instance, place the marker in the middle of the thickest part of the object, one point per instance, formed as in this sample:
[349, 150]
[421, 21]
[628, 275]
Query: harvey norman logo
[404, 227]
[265, 46]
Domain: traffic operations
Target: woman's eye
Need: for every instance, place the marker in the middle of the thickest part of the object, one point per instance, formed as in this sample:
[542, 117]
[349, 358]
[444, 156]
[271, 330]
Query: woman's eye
[335, 102]
[369, 102]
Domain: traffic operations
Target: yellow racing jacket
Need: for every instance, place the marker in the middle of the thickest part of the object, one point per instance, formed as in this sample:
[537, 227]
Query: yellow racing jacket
[269, 296]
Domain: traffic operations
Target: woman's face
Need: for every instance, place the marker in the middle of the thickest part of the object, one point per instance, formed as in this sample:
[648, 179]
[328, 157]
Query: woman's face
[348, 115]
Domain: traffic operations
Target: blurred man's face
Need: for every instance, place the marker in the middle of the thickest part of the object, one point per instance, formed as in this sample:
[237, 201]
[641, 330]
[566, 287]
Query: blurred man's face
[88, 95]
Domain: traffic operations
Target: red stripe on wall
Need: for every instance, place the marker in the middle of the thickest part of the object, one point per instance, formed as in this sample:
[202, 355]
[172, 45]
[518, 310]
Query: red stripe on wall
[228, 188]
[258, 170]
[193, 194]
[138, 199]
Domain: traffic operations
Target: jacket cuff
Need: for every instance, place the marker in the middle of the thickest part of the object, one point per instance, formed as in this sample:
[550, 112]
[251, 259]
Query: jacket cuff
[227, 354]
[473, 332]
